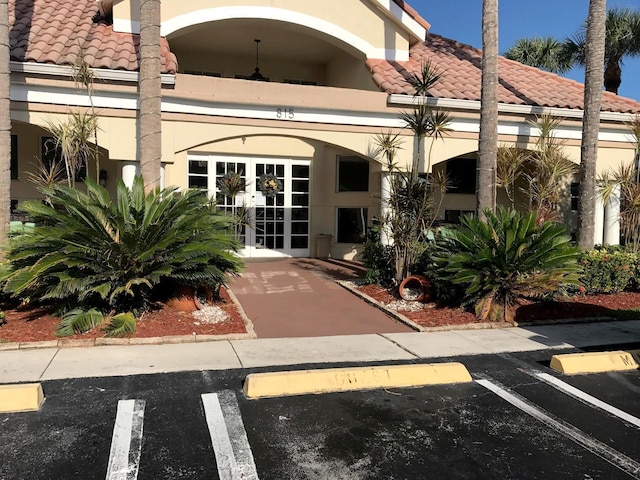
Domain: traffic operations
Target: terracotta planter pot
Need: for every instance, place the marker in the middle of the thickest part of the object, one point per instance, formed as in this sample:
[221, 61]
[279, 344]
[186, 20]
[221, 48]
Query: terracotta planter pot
[415, 288]
[183, 299]
[189, 299]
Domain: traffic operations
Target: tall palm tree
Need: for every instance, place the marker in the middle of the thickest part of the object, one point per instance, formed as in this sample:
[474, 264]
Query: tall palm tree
[488, 143]
[622, 41]
[546, 53]
[593, 82]
[149, 129]
[5, 123]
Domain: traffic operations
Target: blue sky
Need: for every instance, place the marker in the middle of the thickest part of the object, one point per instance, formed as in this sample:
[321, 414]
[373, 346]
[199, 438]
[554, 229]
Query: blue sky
[461, 20]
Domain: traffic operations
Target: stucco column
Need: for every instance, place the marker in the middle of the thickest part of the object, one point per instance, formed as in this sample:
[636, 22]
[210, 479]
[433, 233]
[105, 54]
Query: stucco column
[598, 234]
[385, 194]
[129, 172]
[612, 218]
[162, 174]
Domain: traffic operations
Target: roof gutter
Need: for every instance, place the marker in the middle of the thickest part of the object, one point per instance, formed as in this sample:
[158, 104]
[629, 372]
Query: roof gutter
[398, 99]
[99, 73]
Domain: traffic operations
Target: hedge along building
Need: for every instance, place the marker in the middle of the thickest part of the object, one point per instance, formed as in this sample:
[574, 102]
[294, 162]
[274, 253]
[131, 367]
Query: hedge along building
[333, 76]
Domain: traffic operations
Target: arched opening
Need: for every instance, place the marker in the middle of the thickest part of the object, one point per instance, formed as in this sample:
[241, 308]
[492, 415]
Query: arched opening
[227, 48]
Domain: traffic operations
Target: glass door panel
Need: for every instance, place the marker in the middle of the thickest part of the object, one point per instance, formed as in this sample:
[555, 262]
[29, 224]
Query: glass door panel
[278, 223]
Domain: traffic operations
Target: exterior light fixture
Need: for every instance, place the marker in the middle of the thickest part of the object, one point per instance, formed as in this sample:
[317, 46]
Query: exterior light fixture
[256, 75]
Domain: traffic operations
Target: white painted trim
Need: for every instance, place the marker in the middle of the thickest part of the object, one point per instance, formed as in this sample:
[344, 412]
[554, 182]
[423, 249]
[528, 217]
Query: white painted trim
[266, 112]
[67, 71]
[126, 25]
[474, 105]
[281, 15]
[406, 20]
[129, 101]
[524, 129]
[72, 97]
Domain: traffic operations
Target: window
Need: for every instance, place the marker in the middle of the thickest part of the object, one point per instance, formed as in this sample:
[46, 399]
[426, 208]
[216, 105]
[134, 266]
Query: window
[352, 225]
[575, 195]
[14, 157]
[52, 154]
[353, 174]
[199, 174]
[462, 173]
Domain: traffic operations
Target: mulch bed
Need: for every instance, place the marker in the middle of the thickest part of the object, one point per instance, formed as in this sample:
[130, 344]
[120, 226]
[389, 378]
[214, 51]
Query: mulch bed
[38, 324]
[623, 306]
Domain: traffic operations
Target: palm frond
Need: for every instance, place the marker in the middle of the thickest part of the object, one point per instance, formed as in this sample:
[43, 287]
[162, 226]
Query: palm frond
[121, 325]
[79, 321]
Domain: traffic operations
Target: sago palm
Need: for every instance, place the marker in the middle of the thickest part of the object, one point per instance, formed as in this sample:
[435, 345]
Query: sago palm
[506, 258]
[88, 250]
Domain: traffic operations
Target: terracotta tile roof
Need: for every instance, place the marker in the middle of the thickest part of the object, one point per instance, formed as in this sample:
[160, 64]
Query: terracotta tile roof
[461, 76]
[57, 31]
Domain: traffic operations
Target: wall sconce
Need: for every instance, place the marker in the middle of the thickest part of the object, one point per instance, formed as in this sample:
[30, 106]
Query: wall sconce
[102, 178]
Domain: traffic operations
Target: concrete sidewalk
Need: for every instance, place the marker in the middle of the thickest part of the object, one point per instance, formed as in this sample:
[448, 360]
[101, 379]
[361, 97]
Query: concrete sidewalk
[59, 363]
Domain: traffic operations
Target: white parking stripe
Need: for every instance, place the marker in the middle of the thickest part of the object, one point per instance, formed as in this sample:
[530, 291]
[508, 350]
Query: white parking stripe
[126, 443]
[585, 397]
[612, 456]
[228, 436]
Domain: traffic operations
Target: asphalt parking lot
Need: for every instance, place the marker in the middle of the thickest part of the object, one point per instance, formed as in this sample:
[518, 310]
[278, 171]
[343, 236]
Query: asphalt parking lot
[517, 420]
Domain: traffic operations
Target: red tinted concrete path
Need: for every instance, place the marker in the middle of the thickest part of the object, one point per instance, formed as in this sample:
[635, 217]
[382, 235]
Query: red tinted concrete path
[298, 297]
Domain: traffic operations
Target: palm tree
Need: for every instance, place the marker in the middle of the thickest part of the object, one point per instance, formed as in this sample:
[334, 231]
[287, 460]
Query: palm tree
[5, 123]
[622, 41]
[150, 94]
[488, 143]
[546, 53]
[594, 79]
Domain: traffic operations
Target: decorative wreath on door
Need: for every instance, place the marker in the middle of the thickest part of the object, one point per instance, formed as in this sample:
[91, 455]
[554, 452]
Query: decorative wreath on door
[269, 184]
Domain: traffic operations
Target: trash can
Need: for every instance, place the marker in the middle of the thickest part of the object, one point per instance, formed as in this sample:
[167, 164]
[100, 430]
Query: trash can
[323, 245]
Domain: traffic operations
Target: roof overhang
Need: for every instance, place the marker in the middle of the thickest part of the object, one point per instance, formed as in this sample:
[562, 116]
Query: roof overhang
[67, 71]
[396, 99]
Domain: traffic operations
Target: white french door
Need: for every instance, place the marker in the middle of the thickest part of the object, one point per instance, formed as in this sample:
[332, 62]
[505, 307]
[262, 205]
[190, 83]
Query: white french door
[279, 223]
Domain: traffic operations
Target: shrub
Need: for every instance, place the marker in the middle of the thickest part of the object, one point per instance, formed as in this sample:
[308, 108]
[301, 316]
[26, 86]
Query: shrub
[88, 251]
[506, 258]
[378, 259]
[430, 265]
[608, 270]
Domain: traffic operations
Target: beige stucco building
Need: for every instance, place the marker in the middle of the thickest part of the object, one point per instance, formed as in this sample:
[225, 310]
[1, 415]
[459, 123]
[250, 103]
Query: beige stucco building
[333, 76]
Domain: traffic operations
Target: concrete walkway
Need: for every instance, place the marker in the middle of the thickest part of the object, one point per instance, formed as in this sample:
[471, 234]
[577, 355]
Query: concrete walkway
[58, 363]
[299, 297]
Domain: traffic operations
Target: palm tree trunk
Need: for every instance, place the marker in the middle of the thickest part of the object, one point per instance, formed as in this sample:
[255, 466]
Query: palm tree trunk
[594, 79]
[488, 143]
[5, 124]
[150, 94]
